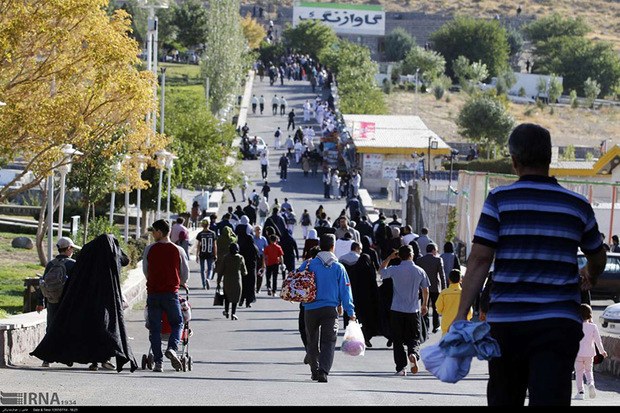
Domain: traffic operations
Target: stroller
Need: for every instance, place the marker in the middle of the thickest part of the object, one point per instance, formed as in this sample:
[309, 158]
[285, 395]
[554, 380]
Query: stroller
[186, 360]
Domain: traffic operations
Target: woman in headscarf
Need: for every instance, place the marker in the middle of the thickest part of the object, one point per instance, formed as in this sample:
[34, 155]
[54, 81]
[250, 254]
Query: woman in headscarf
[311, 241]
[232, 269]
[223, 242]
[243, 226]
[291, 252]
[90, 324]
[450, 260]
[368, 249]
[416, 250]
[249, 252]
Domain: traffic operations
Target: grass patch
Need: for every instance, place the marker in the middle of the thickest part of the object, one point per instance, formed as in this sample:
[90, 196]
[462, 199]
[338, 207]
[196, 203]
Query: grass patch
[15, 266]
[568, 126]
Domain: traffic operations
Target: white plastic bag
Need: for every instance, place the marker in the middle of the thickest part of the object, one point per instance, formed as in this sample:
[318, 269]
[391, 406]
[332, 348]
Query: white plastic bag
[354, 343]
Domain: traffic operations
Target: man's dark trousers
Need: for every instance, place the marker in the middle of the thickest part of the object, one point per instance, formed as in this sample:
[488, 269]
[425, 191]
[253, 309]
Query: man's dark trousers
[324, 319]
[283, 173]
[432, 298]
[405, 332]
[272, 277]
[537, 356]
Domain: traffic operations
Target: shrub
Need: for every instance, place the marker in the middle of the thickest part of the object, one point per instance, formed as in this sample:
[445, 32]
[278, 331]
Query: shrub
[499, 166]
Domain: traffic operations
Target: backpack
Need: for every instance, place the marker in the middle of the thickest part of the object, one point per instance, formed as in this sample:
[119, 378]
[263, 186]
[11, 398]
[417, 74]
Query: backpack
[305, 219]
[53, 282]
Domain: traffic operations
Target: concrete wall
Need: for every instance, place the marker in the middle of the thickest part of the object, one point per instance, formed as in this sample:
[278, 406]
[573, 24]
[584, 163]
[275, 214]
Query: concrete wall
[20, 334]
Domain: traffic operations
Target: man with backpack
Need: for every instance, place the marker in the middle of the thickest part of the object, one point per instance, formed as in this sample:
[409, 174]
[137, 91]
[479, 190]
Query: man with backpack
[56, 273]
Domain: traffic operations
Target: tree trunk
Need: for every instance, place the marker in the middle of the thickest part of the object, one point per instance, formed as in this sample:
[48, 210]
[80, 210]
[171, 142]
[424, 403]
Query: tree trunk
[41, 229]
[86, 220]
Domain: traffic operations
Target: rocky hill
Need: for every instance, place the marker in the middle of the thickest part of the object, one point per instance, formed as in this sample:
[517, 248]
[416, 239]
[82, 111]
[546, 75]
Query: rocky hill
[603, 16]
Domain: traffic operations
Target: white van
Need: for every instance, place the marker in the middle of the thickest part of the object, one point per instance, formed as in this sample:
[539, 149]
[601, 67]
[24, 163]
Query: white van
[215, 201]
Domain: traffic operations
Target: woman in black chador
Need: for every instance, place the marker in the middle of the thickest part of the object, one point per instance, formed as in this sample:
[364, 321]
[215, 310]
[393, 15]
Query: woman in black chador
[90, 326]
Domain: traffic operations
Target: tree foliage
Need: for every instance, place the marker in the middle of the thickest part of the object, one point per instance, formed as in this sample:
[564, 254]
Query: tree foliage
[355, 71]
[201, 143]
[191, 21]
[68, 73]
[592, 90]
[577, 58]
[253, 31]
[555, 26]
[430, 63]
[309, 37]
[223, 61]
[484, 119]
[477, 40]
[397, 44]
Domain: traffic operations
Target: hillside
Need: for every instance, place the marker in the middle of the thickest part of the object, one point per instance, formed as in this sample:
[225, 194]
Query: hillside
[578, 127]
[603, 16]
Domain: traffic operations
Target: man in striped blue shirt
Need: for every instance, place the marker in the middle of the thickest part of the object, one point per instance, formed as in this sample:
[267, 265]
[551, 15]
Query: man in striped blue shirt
[532, 231]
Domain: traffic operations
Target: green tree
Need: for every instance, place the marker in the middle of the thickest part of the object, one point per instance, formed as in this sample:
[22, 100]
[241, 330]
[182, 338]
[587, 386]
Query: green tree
[555, 26]
[397, 44]
[515, 43]
[577, 58]
[439, 86]
[555, 89]
[505, 81]
[477, 40]
[430, 63]
[192, 21]
[355, 71]
[201, 143]
[484, 120]
[95, 178]
[309, 37]
[592, 90]
[225, 57]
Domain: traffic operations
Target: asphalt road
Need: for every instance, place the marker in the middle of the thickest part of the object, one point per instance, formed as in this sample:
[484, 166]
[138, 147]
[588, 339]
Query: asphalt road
[258, 359]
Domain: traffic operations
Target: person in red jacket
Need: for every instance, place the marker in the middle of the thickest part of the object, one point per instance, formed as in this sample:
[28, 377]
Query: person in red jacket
[273, 257]
[165, 266]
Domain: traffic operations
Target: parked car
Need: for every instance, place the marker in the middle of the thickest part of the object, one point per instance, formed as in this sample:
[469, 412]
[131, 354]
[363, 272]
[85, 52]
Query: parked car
[257, 146]
[608, 284]
[610, 319]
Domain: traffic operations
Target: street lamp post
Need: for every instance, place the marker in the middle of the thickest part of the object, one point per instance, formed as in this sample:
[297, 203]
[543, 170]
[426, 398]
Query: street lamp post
[116, 168]
[163, 99]
[50, 216]
[139, 199]
[169, 161]
[432, 143]
[162, 156]
[63, 170]
[126, 233]
[453, 153]
[417, 71]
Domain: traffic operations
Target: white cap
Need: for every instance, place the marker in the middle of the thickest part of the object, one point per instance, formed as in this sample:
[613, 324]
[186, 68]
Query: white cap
[66, 242]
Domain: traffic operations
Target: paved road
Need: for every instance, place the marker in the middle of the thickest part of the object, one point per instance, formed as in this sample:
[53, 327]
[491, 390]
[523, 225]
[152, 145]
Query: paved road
[258, 360]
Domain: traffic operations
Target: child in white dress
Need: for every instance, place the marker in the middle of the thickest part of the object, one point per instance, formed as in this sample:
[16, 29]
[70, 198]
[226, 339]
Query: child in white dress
[583, 362]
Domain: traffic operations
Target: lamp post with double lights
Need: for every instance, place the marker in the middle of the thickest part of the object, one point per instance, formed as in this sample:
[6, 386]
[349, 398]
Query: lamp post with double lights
[63, 169]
